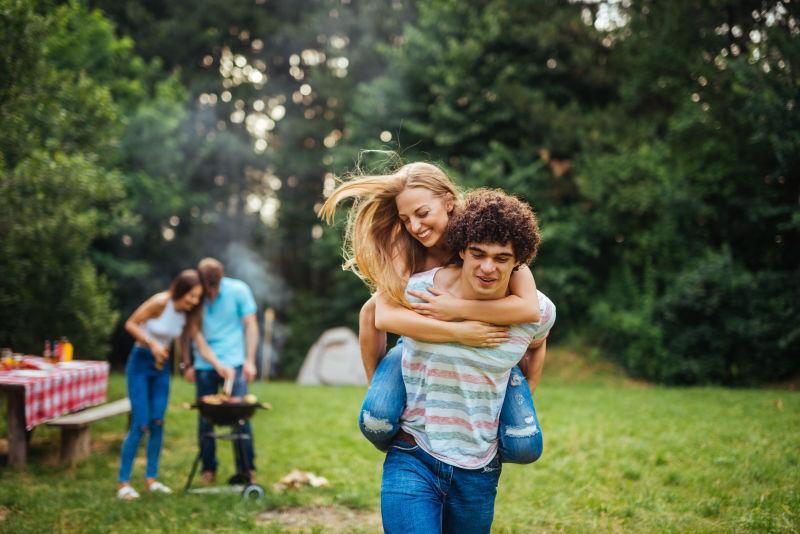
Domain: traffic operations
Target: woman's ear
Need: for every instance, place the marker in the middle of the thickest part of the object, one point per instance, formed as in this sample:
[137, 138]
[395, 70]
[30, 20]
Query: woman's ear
[449, 203]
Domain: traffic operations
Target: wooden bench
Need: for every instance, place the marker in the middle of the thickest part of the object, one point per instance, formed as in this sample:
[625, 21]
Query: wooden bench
[75, 436]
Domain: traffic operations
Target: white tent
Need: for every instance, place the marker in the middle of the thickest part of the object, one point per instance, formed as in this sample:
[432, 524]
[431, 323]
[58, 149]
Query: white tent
[334, 360]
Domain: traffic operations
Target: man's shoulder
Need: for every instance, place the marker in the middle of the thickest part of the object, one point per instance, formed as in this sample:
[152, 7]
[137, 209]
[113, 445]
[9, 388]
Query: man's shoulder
[234, 284]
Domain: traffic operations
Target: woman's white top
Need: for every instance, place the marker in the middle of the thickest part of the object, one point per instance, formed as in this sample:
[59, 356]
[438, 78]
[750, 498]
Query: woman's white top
[166, 326]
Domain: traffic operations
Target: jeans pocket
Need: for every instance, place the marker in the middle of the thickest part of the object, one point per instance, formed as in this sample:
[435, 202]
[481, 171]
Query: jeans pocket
[403, 446]
[494, 466]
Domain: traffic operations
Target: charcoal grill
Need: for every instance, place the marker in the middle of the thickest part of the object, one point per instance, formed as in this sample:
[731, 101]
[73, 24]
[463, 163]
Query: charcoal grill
[234, 415]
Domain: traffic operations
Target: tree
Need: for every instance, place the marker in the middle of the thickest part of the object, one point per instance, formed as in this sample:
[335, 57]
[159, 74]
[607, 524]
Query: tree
[658, 145]
[268, 85]
[66, 81]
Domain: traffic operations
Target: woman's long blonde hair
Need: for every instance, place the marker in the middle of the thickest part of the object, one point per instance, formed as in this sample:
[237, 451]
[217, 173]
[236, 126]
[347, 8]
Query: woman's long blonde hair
[374, 236]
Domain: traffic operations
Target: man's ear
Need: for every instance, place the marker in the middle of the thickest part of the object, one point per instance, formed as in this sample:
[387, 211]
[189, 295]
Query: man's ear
[461, 254]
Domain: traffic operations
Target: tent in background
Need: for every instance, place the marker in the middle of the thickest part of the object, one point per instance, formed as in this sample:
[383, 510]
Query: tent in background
[334, 360]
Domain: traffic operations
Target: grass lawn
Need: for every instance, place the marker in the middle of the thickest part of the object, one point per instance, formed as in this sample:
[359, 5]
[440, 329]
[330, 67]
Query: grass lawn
[619, 457]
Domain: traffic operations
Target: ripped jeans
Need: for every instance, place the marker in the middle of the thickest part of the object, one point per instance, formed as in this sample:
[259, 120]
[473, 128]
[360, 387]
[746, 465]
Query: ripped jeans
[148, 390]
[520, 436]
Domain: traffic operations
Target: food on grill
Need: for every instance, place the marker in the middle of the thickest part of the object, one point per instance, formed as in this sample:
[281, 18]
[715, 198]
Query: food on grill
[220, 398]
[250, 399]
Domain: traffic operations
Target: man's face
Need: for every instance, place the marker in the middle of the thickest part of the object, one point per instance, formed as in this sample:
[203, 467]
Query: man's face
[487, 269]
[211, 291]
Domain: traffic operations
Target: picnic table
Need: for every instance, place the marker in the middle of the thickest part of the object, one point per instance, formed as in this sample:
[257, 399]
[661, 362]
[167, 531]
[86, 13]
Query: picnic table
[36, 395]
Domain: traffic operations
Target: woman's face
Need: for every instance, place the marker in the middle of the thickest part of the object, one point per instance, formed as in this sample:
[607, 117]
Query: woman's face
[424, 214]
[191, 299]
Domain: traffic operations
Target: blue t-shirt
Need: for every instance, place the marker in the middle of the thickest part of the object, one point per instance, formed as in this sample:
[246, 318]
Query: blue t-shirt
[222, 323]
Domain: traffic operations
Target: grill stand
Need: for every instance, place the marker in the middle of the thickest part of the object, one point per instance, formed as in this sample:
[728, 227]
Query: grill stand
[237, 439]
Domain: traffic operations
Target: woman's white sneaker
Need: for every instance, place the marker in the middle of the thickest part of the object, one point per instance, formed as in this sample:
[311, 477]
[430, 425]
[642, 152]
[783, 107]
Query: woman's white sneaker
[158, 487]
[127, 493]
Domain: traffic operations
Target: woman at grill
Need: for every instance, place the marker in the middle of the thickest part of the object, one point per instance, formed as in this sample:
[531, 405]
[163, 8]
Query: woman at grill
[154, 325]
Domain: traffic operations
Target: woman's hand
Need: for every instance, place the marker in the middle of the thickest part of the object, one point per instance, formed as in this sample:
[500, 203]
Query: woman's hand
[438, 304]
[160, 352]
[479, 334]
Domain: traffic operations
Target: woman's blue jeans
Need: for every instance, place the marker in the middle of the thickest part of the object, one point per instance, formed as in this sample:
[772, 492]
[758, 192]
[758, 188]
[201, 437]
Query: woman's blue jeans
[520, 436]
[148, 391]
[422, 495]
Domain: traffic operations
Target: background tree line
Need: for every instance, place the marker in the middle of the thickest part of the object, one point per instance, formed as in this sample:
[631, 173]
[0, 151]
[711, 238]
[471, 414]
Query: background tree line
[659, 144]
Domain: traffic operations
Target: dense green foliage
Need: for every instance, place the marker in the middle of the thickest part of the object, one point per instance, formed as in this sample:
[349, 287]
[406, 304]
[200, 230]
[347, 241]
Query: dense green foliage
[269, 85]
[662, 156]
[58, 195]
[617, 458]
[659, 143]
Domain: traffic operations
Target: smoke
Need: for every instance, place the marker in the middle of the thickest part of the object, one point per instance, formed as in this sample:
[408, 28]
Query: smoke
[245, 264]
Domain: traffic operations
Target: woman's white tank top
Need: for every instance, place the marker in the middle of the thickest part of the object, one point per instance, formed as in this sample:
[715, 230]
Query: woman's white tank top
[166, 326]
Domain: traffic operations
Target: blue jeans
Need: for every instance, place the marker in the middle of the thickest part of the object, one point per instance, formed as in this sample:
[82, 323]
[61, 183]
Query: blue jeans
[379, 420]
[208, 383]
[422, 495]
[148, 391]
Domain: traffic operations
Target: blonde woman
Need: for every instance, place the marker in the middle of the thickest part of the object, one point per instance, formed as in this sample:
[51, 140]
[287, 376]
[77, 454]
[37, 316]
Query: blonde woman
[396, 228]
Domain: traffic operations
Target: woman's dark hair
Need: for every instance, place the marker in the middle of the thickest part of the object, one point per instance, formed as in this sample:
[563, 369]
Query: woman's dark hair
[183, 283]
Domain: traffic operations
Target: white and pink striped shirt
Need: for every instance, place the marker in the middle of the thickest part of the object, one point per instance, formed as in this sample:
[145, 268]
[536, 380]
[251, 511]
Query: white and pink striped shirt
[454, 393]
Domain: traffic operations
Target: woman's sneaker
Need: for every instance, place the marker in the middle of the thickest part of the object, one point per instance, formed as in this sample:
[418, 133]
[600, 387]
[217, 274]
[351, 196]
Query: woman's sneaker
[158, 487]
[127, 493]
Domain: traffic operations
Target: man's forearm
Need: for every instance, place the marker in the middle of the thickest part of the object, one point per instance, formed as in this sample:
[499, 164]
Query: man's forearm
[534, 364]
[251, 338]
[186, 351]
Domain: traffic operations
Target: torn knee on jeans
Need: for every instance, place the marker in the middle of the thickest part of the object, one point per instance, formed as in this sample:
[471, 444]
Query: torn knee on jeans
[524, 431]
[375, 424]
[516, 379]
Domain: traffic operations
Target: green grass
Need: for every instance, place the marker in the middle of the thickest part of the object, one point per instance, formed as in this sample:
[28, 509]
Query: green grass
[620, 456]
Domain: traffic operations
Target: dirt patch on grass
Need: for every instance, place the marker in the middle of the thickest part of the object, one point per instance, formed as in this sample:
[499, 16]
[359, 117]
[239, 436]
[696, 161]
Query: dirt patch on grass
[330, 518]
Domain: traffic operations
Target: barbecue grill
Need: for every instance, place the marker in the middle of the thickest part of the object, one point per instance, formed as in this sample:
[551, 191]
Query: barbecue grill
[234, 415]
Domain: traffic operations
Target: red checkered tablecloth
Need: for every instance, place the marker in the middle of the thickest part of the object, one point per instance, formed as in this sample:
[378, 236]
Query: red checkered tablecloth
[58, 389]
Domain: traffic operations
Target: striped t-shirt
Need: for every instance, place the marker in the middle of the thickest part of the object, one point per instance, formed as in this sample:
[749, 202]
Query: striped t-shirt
[454, 393]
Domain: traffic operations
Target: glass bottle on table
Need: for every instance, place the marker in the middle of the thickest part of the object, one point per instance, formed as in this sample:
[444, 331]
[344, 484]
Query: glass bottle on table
[7, 357]
[48, 353]
[68, 349]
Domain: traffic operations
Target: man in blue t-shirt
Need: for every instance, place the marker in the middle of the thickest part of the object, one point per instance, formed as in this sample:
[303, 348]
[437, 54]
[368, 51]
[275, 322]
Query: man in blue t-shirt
[231, 330]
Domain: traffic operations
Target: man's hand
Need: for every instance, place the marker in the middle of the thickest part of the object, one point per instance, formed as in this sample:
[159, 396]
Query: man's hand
[225, 372]
[249, 371]
[189, 375]
[437, 304]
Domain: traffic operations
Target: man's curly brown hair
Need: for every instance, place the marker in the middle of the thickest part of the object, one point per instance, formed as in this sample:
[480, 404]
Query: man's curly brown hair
[492, 216]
